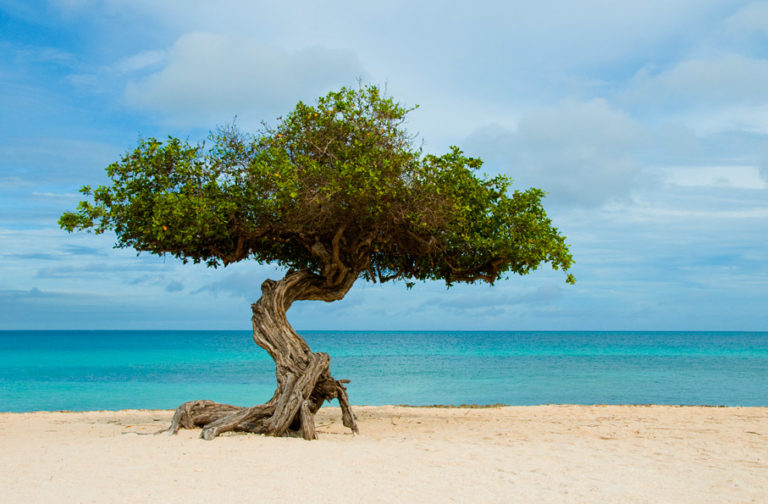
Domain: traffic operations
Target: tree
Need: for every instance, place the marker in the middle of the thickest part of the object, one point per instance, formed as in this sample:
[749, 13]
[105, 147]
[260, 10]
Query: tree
[335, 192]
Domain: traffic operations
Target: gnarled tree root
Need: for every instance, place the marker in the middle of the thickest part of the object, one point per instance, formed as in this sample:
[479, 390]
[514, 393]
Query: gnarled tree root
[290, 412]
[304, 380]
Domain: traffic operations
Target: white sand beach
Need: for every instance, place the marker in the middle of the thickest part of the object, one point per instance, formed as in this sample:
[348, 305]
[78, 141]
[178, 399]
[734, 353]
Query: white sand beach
[540, 454]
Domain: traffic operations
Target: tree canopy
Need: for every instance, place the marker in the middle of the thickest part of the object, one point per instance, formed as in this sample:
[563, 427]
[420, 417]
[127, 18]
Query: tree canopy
[338, 188]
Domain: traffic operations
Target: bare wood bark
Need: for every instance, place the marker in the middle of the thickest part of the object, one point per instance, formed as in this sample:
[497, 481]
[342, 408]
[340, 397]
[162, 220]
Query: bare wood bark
[307, 422]
[347, 417]
[304, 380]
[193, 413]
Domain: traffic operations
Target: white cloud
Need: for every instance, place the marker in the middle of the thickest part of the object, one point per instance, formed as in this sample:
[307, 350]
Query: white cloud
[700, 107]
[719, 80]
[750, 19]
[139, 61]
[709, 95]
[745, 118]
[56, 159]
[103, 79]
[588, 31]
[738, 177]
[213, 77]
[41, 54]
[54, 195]
[580, 153]
[14, 182]
[763, 161]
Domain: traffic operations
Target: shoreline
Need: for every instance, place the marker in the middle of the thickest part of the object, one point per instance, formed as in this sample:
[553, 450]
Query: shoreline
[432, 406]
[549, 453]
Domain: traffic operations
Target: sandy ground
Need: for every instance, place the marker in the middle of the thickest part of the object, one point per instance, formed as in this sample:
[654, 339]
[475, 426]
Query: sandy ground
[535, 454]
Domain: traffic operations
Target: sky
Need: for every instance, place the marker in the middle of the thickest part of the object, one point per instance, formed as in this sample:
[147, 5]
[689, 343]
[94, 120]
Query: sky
[646, 122]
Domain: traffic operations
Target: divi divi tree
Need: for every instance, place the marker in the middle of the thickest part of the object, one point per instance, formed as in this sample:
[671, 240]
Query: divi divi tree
[334, 192]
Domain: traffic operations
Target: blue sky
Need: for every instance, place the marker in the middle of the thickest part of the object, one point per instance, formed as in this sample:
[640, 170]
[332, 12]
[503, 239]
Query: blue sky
[646, 122]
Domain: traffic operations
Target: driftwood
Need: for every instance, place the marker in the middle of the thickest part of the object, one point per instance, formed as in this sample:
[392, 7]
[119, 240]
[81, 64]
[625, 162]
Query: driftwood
[304, 380]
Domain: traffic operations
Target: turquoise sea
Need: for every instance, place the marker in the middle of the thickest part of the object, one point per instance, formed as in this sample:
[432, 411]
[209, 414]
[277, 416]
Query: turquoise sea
[89, 370]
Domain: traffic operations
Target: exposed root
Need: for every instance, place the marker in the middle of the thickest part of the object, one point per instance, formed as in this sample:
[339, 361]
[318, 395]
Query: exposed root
[304, 381]
[291, 412]
[347, 417]
[294, 416]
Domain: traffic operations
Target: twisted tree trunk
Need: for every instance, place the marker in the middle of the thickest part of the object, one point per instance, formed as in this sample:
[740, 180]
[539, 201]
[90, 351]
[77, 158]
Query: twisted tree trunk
[304, 380]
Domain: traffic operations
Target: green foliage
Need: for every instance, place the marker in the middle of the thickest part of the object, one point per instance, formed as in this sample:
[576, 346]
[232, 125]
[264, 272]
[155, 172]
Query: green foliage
[335, 186]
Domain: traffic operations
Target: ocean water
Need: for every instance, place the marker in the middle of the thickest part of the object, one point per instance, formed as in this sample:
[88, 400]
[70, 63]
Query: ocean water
[109, 370]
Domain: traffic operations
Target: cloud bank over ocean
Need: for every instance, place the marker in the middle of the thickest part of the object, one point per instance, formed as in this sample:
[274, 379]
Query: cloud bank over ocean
[644, 121]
